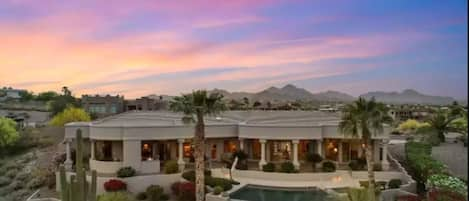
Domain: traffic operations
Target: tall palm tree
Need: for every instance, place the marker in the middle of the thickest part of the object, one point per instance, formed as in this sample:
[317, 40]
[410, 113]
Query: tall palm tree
[195, 106]
[363, 119]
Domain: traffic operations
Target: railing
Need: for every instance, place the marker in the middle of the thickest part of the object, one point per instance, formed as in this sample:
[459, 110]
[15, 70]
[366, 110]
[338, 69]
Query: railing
[31, 198]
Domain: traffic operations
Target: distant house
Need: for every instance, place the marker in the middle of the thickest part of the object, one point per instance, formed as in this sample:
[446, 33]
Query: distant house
[103, 106]
[147, 103]
[8, 93]
[405, 112]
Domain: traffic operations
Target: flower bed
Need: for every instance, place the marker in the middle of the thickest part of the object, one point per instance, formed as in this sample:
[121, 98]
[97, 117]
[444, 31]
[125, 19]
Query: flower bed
[447, 183]
[115, 185]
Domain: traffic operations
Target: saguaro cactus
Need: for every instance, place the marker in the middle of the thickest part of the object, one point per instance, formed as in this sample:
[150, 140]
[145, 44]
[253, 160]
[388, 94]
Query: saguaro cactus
[78, 189]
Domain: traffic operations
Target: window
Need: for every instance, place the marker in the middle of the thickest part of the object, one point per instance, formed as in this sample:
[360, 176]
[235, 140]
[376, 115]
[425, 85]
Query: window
[113, 108]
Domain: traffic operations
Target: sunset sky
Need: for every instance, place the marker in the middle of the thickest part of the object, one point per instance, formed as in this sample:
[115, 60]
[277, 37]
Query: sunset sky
[136, 47]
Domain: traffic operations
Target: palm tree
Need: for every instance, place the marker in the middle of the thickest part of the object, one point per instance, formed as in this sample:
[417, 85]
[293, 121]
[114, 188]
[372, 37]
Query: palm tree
[363, 119]
[440, 122]
[195, 106]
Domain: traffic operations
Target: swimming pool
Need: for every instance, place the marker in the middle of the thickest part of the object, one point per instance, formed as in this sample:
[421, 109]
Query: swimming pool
[263, 193]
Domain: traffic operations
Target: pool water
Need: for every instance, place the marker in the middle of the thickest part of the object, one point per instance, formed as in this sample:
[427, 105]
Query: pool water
[261, 193]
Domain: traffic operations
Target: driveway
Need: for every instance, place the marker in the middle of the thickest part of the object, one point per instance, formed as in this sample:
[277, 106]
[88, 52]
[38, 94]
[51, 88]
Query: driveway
[454, 155]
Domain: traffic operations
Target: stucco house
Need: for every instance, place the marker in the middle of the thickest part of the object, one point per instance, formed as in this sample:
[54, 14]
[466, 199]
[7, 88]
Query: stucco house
[146, 139]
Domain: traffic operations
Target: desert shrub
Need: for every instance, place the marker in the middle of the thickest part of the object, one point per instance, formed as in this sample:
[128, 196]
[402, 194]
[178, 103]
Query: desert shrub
[184, 191]
[190, 175]
[287, 167]
[4, 181]
[328, 166]
[217, 190]
[11, 173]
[22, 176]
[36, 182]
[226, 184]
[16, 185]
[19, 195]
[269, 167]
[394, 183]
[11, 166]
[115, 185]
[154, 192]
[377, 167]
[141, 196]
[171, 167]
[126, 172]
[115, 196]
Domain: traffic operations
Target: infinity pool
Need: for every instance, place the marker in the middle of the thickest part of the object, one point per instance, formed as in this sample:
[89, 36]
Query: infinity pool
[262, 193]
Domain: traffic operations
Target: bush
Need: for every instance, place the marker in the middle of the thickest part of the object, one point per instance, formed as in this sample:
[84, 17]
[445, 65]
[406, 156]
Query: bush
[115, 185]
[226, 184]
[16, 185]
[217, 190]
[354, 165]
[190, 175]
[126, 172]
[171, 167]
[269, 167]
[377, 167]
[154, 192]
[36, 182]
[314, 158]
[328, 166]
[364, 184]
[141, 196]
[184, 191]
[12, 173]
[447, 183]
[115, 196]
[4, 181]
[394, 183]
[287, 167]
[22, 176]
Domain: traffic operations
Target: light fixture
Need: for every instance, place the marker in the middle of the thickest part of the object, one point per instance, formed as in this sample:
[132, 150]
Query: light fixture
[363, 145]
[335, 150]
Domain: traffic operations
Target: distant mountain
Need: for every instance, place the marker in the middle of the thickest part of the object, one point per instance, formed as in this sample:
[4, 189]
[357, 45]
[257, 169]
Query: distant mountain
[408, 96]
[288, 93]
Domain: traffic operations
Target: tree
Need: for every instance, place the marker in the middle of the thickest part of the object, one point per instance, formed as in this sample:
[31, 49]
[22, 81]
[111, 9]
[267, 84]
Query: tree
[363, 119]
[26, 96]
[47, 96]
[62, 102]
[198, 103]
[246, 102]
[411, 126]
[256, 104]
[440, 122]
[8, 132]
[70, 114]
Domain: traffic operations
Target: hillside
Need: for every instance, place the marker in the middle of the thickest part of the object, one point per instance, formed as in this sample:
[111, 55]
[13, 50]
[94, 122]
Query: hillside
[408, 96]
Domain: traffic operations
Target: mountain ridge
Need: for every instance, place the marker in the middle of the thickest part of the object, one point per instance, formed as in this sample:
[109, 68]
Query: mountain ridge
[291, 92]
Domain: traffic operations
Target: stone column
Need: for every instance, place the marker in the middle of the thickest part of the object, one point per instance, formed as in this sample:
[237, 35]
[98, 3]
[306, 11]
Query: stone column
[384, 162]
[92, 142]
[241, 144]
[319, 147]
[181, 162]
[68, 162]
[295, 154]
[341, 160]
[262, 161]
[132, 154]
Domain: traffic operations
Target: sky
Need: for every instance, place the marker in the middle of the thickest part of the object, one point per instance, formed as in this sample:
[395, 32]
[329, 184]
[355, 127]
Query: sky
[136, 47]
